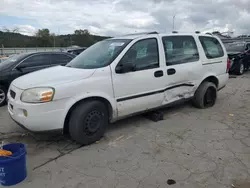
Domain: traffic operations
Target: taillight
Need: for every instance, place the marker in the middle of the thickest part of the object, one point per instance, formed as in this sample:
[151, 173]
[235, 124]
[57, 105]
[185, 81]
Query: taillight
[228, 65]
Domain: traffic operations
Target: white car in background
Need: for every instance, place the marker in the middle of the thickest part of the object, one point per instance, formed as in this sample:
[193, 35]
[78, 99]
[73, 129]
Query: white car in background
[2, 59]
[120, 77]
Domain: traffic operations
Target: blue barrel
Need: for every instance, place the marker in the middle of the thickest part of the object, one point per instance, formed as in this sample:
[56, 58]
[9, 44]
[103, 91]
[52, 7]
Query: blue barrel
[13, 168]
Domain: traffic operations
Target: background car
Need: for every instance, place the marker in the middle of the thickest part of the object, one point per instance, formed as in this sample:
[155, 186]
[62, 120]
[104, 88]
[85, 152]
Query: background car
[21, 64]
[239, 55]
[76, 51]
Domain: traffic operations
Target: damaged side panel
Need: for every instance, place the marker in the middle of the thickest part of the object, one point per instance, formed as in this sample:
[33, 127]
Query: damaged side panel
[179, 93]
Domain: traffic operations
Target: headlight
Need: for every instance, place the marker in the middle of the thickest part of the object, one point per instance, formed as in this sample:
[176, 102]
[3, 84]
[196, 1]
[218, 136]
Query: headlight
[38, 95]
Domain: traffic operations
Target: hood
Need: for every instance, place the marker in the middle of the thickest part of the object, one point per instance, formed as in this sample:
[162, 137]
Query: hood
[51, 77]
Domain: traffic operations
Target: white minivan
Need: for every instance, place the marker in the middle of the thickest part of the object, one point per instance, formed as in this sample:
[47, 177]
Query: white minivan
[119, 77]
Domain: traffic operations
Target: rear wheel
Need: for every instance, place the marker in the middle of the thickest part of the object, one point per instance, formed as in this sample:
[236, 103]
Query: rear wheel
[88, 122]
[205, 96]
[3, 95]
[241, 68]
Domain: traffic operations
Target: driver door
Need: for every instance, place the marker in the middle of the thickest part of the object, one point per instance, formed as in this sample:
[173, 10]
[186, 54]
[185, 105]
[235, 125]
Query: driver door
[141, 88]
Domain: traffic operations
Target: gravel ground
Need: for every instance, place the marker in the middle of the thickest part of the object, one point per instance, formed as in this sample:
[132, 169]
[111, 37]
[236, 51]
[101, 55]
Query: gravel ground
[195, 148]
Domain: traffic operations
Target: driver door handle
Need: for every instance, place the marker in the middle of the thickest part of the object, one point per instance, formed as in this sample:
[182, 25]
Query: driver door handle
[171, 71]
[158, 73]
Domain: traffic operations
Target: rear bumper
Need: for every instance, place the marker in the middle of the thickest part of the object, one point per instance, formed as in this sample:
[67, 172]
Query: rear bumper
[223, 79]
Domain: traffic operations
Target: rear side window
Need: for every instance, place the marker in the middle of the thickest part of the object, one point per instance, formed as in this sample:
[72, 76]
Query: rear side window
[60, 59]
[212, 47]
[37, 60]
[180, 49]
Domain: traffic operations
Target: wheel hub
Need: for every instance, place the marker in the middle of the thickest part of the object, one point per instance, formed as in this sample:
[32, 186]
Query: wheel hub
[93, 122]
[2, 96]
[241, 68]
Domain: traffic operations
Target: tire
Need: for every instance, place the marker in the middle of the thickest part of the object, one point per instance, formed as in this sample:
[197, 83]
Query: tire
[3, 95]
[240, 69]
[205, 96]
[88, 122]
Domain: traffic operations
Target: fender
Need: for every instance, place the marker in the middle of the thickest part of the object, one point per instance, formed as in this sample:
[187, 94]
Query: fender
[209, 75]
[87, 95]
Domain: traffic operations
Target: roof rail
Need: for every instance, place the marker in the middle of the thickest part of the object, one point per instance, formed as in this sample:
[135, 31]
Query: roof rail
[143, 33]
[209, 34]
[174, 31]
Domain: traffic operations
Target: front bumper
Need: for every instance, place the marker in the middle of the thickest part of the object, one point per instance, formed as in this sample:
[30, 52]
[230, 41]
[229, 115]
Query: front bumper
[36, 117]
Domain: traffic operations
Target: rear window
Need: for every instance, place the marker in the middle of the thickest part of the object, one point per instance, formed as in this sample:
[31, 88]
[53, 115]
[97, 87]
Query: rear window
[12, 60]
[58, 59]
[212, 47]
[235, 47]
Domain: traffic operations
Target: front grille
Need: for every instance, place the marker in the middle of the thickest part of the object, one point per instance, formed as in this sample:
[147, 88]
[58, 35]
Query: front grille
[12, 94]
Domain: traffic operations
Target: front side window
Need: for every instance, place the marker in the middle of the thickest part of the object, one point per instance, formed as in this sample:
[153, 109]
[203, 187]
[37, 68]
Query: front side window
[180, 49]
[37, 60]
[99, 55]
[212, 47]
[143, 54]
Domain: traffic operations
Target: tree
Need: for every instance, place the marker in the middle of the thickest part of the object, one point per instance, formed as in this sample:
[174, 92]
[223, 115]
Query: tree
[43, 37]
[42, 33]
[82, 32]
[53, 37]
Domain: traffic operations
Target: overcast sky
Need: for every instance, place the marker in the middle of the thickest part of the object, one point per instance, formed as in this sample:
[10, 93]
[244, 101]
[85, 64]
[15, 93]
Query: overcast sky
[115, 17]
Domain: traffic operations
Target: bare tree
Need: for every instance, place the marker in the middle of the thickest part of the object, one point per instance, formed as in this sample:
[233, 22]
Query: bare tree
[15, 30]
[5, 29]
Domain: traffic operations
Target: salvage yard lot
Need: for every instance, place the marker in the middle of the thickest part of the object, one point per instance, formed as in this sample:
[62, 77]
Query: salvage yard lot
[196, 148]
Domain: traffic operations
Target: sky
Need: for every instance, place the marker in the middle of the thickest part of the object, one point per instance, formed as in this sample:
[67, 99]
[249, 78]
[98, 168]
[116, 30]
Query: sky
[116, 17]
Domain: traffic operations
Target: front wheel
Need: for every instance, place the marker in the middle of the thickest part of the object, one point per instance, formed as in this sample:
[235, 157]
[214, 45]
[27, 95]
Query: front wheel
[205, 96]
[88, 122]
[3, 95]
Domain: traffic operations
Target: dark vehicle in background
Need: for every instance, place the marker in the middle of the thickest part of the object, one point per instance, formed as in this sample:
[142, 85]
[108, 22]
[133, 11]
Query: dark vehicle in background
[21, 64]
[77, 51]
[239, 55]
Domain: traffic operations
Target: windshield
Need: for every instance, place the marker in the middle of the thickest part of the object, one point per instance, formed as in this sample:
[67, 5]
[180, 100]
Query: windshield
[12, 60]
[99, 55]
[239, 47]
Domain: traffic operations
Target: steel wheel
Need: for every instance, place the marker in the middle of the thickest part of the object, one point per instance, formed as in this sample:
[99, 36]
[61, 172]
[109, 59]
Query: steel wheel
[2, 96]
[242, 68]
[88, 121]
[92, 122]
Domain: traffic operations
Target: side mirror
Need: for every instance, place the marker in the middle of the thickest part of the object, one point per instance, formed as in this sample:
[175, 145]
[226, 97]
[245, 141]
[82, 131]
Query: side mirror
[124, 68]
[20, 67]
